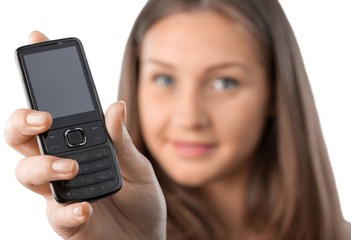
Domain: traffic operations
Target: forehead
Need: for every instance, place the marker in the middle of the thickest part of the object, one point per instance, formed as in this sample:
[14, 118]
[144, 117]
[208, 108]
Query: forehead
[204, 34]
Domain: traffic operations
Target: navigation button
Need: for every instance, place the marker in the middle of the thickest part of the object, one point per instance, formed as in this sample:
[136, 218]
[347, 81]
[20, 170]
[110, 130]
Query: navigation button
[75, 137]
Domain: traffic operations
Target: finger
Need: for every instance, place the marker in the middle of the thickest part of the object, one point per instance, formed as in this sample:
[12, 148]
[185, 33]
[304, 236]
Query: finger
[22, 127]
[135, 167]
[63, 217]
[36, 37]
[36, 172]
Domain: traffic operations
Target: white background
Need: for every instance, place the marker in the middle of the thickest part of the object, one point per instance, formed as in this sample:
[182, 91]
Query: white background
[322, 29]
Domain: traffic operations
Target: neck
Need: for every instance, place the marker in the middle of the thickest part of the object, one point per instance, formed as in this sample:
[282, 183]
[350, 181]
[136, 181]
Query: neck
[226, 199]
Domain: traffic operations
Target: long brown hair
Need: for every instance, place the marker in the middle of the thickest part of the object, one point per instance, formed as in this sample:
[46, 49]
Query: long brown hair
[292, 193]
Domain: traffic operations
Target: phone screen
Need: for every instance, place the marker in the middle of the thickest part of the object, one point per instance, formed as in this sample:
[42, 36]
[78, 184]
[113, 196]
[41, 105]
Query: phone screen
[57, 76]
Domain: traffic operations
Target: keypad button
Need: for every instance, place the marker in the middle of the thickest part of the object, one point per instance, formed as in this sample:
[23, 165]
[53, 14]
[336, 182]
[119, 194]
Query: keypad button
[91, 155]
[96, 133]
[75, 137]
[90, 179]
[95, 189]
[54, 142]
[93, 167]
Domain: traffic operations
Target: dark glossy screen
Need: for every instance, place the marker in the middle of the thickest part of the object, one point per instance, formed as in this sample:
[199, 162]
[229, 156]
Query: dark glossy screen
[58, 82]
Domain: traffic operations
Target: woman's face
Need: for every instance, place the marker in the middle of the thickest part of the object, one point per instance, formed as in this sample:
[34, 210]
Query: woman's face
[203, 96]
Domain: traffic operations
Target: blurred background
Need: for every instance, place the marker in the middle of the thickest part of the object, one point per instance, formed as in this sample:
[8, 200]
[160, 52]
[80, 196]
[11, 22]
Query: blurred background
[322, 29]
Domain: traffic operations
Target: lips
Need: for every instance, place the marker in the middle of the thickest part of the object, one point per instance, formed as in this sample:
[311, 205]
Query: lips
[192, 149]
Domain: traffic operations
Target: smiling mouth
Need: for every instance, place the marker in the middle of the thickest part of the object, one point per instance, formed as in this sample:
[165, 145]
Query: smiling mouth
[192, 149]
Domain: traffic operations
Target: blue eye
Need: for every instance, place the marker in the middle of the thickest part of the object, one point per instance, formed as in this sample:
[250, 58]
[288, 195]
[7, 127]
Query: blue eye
[163, 80]
[224, 83]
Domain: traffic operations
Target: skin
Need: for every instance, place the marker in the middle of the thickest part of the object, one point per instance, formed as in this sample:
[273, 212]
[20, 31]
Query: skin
[203, 99]
[138, 211]
[202, 122]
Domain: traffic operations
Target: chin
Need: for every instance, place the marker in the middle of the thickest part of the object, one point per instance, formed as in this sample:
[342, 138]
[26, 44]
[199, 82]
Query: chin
[190, 181]
[194, 174]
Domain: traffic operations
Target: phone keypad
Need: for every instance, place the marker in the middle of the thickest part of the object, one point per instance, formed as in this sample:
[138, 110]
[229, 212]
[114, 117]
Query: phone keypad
[87, 180]
[86, 191]
[95, 174]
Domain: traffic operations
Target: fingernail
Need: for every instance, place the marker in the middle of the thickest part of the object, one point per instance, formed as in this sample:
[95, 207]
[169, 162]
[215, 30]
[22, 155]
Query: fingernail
[63, 166]
[35, 119]
[79, 211]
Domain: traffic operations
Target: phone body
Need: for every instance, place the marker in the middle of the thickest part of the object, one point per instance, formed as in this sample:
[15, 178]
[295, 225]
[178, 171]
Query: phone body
[57, 79]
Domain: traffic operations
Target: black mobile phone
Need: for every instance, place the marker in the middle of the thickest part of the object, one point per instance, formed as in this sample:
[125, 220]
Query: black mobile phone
[57, 79]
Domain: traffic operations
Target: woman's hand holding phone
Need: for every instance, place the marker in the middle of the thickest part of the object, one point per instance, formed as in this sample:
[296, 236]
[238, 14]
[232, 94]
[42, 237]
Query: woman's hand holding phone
[137, 211]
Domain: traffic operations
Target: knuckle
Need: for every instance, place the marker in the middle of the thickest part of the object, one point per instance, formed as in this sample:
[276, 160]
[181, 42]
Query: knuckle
[33, 170]
[128, 143]
[7, 133]
[13, 126]
[125, 145]
[21, 172]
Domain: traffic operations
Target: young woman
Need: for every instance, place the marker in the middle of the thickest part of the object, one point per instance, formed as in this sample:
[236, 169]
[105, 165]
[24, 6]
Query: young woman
[219, 103]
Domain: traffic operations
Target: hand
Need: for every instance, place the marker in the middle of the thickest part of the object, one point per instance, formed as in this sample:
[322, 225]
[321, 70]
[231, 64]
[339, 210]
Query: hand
[137, 211]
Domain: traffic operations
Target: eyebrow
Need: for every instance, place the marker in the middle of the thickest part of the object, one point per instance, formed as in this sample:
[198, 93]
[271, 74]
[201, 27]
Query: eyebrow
[225, 64]
[158, 62]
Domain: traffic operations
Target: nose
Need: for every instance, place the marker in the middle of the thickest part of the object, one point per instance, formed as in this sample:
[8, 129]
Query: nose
[189, 109]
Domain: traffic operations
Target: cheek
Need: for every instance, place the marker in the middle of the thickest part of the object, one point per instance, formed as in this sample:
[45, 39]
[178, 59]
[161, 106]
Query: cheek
[152, 113]
[240, 125]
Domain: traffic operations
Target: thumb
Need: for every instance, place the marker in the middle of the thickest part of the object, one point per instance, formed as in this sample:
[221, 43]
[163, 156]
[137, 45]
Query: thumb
[135, 167]
[36, 37]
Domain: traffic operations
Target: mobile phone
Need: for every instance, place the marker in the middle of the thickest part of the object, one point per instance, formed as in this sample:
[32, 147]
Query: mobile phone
[57, 79]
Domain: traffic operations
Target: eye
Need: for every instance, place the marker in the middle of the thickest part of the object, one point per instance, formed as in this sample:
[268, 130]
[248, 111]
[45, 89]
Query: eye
[223, 83]
[163, 80]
